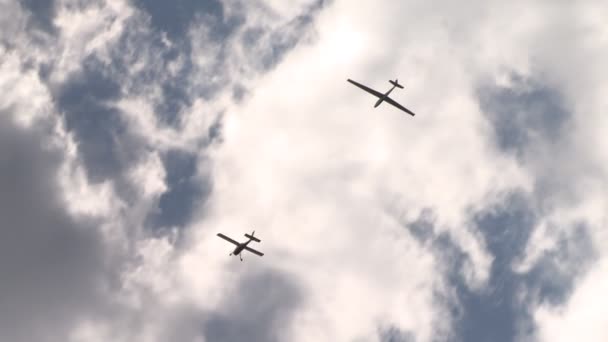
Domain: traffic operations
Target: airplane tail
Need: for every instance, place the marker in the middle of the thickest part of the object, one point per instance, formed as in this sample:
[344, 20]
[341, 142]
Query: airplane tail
[396, 83]
[252, 237]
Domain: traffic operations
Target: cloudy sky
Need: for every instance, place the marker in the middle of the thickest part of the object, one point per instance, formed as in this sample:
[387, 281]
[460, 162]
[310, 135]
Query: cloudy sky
[133, 131]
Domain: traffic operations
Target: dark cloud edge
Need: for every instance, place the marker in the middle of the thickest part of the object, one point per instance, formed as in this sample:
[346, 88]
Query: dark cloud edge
[498, 311]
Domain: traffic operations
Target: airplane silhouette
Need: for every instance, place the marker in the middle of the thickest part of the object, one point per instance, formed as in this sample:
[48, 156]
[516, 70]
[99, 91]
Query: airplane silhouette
[384, 97]
[242, 246]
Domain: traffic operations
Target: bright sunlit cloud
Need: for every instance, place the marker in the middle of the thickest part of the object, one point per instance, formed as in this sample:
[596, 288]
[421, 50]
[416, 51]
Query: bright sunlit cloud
[131, 133]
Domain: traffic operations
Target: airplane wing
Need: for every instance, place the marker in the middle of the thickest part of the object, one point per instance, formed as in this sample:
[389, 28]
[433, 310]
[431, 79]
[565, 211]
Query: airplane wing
[253, 251]
[369, 90]
[227, 238]
[394, 103]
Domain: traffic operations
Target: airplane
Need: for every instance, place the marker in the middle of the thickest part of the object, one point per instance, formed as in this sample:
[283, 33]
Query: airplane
[384, 97]
[242, 246]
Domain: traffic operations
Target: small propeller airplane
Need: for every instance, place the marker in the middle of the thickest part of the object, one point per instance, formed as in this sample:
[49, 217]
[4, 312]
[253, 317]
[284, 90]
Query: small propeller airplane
[384, 97]
[242, 246]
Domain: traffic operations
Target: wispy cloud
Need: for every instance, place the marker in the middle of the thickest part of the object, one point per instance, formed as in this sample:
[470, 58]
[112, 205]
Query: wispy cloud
[133, 131]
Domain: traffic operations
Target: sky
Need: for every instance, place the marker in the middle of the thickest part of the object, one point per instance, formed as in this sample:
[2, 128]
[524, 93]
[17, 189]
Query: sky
[133, 131]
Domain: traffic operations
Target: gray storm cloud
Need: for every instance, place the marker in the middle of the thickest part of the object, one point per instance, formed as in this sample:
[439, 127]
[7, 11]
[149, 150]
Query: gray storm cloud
[55, 267]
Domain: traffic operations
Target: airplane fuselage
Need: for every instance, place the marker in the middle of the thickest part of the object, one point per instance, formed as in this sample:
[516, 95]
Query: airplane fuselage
[240, 248]
[383, 97]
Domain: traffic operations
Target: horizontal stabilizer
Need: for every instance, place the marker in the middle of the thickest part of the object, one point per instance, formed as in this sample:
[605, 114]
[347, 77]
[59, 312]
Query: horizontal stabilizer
[252, 238]
[396, 83]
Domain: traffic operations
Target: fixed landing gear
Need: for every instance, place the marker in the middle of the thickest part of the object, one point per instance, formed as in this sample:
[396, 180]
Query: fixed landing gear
[240, 256]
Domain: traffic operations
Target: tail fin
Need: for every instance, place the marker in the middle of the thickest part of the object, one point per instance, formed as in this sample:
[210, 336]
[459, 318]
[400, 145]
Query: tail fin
[396, 83]
[253, 237]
